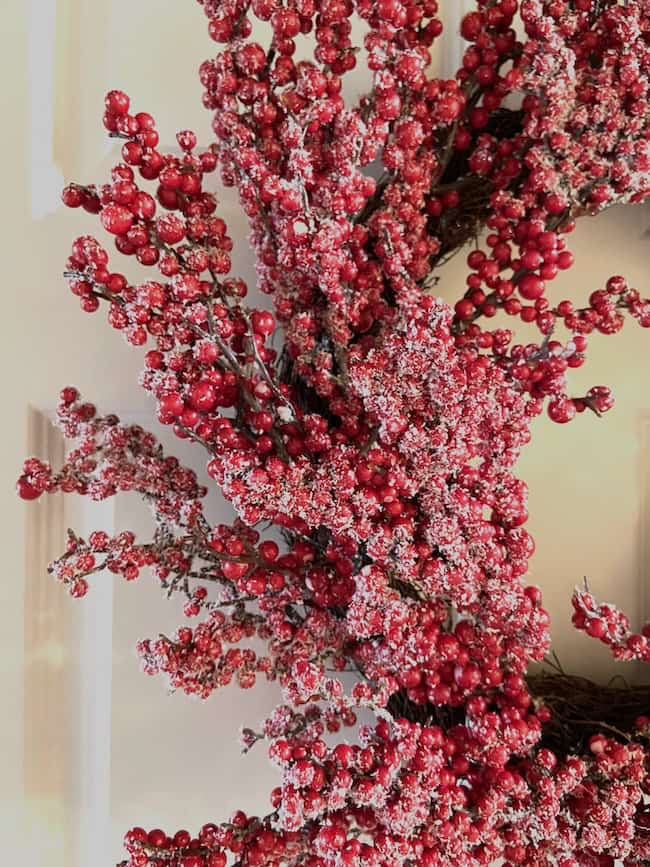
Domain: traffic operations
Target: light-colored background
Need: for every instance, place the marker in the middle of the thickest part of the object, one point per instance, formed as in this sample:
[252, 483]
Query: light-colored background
[88, 745]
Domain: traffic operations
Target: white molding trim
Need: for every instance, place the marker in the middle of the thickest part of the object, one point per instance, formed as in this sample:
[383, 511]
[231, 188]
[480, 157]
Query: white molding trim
[45, 661]
[68, 680]
[46, 176]
[91, 620]
[68, 65]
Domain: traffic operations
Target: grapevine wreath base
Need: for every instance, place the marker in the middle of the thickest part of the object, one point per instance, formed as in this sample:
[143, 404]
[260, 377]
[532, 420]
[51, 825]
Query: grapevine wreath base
[376, 565]
[578, 708]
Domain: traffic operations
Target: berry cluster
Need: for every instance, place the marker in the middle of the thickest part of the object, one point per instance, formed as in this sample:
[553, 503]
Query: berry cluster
[612, 627]
[381, 441]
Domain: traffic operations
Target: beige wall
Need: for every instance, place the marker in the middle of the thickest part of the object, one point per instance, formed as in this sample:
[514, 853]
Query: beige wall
[590, 480]
[171, 760]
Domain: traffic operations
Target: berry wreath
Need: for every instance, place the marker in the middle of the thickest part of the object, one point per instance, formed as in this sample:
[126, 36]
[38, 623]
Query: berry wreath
[379, 550]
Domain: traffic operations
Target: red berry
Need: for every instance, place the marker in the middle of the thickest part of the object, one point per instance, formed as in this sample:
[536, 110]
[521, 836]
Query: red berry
[156, 838]
[26, 490]
[471, 26]
[596, 627]
[531, 287]
[598, 744]
[465, 309]
[68, 395]
[117, 102]
[186, 140]
[263, 322]
[79, 588]
[170, 228]
[269, 550]
[202, 396]
[73, 196]
[116, 219]
[172, 404]
[561, 410]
